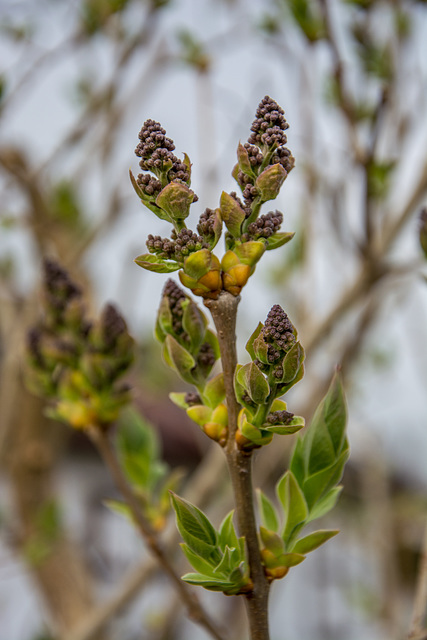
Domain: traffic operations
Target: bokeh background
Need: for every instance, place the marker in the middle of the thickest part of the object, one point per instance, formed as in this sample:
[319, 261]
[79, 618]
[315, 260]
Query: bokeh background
[77, 80]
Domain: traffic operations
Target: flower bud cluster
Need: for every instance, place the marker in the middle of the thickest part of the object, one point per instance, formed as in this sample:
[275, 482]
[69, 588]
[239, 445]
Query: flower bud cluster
[74, 363]
[263, 162]
[206, 356]
[178, 247]
[264, 226]
[269, 126]
[62, 298]
[278, 330]
[191, 349]
[280, 417]
[149, 185]
[284, 157]
[176, 297]
[192, 398]
[210, 226]
[180, 318]
[155, 150]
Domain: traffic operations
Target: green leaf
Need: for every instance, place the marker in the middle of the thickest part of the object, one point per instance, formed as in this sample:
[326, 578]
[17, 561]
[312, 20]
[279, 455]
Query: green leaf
[164, 319]
[187, 163]
[193, 522]
[324, 440]
[295, 425]
[290, 559]
[250, 252]
[178, 358]
[194, 323]
[154, 263]
[268, 513]
[139, 451]
[250, 342]
[241, 395]
[147, 201]
[270, 181]
[313, 540]
[210, 338]
[316, 485]
[297, 465]
[227, 534]
[292, 363]
[278, 240]
[197, 264]
[230, 560]
[272, 541]
[284, 388]
[244, 162]
[175, 199]
[179, 399]
[214, 391]
[199, 414]
[295, 508]
[121, 508]
[260, 348]
[252, 379]
[325, 504]
[211, 584]
[232, 214]
[252, 433]
[197, 562]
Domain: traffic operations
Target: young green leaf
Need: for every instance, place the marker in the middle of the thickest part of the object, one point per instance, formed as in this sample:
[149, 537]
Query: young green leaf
[199, 414]
[214, 391]
[193, 522]
[295, 425]
[227, 534]
[316, 485]
[272, 541]
[230, 560]
[121, 508]
[254, 382]
[249, 344]
[232, 214]
[211, 584]
[139, 451]
[269, 517]
[313, 540]
[294, 505]
[324, 440]
[278, 240]
[292, 363]
[197, 562]
[325, 504]
[179, 399]
[194, 323]
[154, 263]
[178, 358]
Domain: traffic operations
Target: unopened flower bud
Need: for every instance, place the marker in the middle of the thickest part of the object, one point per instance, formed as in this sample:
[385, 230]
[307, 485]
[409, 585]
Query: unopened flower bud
[202, 274]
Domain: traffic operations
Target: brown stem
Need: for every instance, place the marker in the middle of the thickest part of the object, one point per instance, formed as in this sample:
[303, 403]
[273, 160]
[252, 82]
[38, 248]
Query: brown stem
[420, 601]
[194, 609]
[224, 312]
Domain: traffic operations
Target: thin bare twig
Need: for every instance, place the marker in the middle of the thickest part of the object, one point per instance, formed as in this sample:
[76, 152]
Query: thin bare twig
[416, 631]
[194, 608]
[204, 482]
